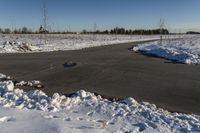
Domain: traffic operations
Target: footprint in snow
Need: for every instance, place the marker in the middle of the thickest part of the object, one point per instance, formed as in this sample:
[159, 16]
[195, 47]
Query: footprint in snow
[140, 126]
[67, 119]
[75, 111]
[6, 119]
[79, 118]
[90, 114]
[103, 123]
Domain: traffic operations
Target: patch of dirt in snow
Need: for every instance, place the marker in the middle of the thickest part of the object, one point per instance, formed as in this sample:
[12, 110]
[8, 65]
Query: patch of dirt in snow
[13, 47]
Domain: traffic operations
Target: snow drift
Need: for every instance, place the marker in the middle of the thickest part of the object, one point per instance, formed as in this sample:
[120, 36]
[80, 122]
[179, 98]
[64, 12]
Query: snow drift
[84, 112]
[184, 50]
[11, 47]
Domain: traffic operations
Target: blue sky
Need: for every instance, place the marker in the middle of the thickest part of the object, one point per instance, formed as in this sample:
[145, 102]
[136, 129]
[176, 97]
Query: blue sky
[77, 15]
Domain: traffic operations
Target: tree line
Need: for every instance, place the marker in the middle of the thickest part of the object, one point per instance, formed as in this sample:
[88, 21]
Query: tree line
[192, 32]
[116, 30]
[23, 30]
[124, 31]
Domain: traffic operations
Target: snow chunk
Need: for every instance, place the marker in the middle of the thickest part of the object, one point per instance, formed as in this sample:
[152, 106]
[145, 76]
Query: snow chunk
[130, 102]
[7, 85]
[29, 83]
[2, 76]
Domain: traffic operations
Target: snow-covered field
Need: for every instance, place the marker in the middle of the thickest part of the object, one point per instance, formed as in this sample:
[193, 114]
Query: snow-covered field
[35, 112]
[55, 42]
[183, 50]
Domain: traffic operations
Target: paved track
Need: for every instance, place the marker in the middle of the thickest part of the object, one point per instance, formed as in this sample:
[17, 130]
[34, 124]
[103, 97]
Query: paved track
[112, 71]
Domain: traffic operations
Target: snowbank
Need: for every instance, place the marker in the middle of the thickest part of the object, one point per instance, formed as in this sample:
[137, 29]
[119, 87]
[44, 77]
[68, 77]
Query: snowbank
[42, 43]
[34, 111]
[184, 50]
[13, 46]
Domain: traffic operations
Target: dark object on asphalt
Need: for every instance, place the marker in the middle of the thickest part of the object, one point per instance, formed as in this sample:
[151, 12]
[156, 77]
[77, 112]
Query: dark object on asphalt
[69, 64]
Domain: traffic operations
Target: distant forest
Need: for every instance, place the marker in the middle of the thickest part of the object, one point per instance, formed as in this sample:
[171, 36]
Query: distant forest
[116, 30]
[124, 31]
[192, 32]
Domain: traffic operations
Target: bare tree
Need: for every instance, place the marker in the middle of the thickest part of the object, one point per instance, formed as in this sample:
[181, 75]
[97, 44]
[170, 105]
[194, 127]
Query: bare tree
[94, 31]
[12, 29]
[180, 33]
[161, 27]
[141, 33]
[116, 32]
[24, 30]
[7, 31]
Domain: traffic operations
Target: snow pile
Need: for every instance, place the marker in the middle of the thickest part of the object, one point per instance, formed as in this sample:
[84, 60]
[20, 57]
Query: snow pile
[4, 77]
[85, 112]
[53, 42]
[13, 46]
[185, 50]
[36, 99]
[34, 83]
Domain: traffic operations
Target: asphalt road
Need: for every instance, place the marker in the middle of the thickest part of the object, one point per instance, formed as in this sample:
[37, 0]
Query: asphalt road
[112, 71]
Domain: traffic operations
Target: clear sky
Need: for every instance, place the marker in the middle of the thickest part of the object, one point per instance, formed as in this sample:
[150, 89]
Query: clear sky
[82, 14]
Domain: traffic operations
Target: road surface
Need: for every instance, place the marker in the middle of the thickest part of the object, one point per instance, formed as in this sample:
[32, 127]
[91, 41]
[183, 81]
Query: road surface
[112, 71]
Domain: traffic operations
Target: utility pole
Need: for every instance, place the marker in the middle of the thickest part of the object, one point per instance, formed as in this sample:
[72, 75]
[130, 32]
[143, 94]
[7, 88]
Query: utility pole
[45, 21]
[45, 17]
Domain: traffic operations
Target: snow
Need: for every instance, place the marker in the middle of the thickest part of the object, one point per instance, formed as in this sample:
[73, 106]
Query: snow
[2, 76]
[183, 50]
[84, 112]
[54, 42]
[28, 83]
